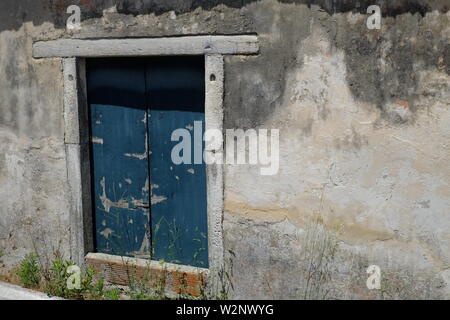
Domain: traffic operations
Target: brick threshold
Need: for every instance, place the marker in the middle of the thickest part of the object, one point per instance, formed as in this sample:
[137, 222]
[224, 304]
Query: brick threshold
[120, 270]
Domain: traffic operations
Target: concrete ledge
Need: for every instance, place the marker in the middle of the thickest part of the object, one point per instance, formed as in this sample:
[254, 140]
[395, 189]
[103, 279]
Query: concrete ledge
[12, 292]
[189, 45]
[177, 279]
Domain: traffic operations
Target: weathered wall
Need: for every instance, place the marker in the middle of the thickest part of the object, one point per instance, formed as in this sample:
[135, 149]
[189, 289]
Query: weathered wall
[33, 192]
[364, 119]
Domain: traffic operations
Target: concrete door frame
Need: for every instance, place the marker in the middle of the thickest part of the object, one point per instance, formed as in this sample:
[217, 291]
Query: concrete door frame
[74, 52]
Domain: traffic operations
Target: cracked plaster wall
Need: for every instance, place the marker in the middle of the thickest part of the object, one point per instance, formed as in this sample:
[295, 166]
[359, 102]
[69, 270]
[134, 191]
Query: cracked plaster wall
[364, 119]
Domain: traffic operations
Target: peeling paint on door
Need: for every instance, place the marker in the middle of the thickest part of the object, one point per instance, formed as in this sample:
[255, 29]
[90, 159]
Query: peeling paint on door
[178, 206]
[116, 94]
[157, 199]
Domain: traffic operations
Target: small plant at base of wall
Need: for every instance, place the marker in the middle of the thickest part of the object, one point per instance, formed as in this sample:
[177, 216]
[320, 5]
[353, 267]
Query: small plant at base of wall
[29, 271]
[54, 281]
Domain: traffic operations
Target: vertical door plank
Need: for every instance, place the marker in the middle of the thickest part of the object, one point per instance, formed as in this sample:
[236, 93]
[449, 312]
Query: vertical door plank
[116, 93]
[175, 89]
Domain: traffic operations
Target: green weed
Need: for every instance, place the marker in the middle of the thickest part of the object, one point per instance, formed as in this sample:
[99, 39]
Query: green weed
[29, 271]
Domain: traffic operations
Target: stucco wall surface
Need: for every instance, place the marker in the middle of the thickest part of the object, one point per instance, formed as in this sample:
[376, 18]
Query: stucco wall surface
[364, 119]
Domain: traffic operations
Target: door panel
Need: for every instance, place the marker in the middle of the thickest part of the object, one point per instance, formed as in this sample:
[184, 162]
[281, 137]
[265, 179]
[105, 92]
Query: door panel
[178, 192]
[120, 157]
[178, 195]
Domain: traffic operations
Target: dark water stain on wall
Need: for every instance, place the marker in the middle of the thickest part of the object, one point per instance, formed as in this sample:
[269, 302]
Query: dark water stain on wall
[54, 11]
[383, 67]
[255, 86]
[261, 80]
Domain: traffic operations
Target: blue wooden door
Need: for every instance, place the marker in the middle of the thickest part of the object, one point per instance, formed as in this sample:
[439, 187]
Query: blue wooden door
[117, 98]
[144, 204]
[178, 192]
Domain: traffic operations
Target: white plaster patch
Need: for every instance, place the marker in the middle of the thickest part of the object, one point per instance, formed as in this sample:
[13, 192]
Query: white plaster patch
[97, 140]
[140, 156]
[107, 203]
[157, 199]
[106, 233]
[145, 187]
